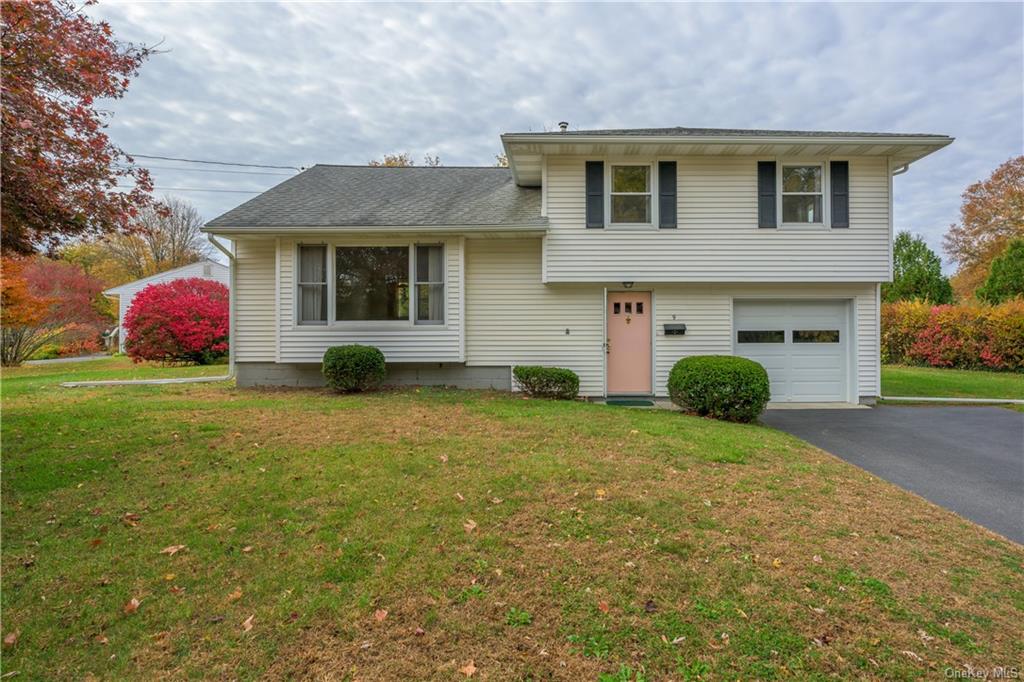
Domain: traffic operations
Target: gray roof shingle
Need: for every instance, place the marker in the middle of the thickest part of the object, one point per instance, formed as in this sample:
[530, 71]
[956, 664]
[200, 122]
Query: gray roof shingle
[328, 196]
[725, 132]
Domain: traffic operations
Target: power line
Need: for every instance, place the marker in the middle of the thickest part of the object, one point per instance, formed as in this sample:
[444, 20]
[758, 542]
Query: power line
[213, 170]
[214, 163]
[199, 189]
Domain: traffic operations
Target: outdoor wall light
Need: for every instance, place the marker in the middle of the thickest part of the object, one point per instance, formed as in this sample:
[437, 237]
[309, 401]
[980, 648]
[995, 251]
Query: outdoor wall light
[627, 285]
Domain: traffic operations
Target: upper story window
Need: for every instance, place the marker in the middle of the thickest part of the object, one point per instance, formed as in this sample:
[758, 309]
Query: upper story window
[802, 193]
[371, 284]
[631, 194]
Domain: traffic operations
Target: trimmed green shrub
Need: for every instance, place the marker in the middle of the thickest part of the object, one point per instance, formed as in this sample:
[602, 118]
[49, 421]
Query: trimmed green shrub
[348, 369]
[720, 386]
[547, 382]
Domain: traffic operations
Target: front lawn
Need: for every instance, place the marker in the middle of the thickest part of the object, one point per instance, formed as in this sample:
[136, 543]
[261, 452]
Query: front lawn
[205, 531]
[931, 382]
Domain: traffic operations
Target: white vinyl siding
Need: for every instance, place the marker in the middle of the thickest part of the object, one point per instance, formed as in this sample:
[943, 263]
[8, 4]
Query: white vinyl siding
[255, 339]
[717, 239]
[400, 342]
[512, 318]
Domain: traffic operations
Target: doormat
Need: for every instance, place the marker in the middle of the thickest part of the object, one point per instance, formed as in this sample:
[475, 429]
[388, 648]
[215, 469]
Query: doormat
[629, 403]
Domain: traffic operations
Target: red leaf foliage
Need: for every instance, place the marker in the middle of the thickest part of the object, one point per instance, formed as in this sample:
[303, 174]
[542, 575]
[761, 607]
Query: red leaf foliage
[59, 169]
[184, 320]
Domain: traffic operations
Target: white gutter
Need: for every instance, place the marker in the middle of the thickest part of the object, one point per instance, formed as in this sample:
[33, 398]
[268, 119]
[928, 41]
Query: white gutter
[231, 301]
[900, 170]
[570, 138]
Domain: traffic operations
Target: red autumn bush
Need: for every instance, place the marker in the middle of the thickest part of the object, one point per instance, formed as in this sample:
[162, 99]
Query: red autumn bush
[184, 320]
[963, 337]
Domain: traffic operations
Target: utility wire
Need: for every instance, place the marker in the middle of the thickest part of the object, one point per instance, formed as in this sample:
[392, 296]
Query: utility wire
[212, 170]
[214, 163]
[198, 189]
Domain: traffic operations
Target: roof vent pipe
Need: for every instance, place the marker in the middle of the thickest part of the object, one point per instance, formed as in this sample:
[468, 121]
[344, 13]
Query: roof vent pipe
[563, 125]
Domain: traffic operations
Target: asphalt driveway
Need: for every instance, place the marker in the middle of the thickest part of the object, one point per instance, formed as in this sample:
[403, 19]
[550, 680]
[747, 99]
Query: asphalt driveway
[967, 459]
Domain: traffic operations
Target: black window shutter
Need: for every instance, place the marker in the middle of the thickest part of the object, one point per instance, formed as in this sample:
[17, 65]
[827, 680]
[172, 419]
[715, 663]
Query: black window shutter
[595, 193]
[766, 214]
[666, 194]
[840, 173]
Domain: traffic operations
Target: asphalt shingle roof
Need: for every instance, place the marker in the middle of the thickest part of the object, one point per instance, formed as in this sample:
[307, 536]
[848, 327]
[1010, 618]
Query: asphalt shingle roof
[328, 196]
[725, 132]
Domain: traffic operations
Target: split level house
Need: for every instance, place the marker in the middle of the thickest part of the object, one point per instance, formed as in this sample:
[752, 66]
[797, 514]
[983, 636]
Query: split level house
[613, 253]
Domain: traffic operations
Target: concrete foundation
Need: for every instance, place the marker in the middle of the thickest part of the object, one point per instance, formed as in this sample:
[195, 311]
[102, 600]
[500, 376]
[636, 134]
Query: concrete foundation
[250, 374]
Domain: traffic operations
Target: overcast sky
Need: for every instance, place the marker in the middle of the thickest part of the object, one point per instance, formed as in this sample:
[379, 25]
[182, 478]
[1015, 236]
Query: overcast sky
[298, 84]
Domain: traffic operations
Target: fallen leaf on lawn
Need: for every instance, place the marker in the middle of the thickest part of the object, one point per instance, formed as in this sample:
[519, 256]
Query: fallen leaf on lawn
[131, 520]
[743, 614]
[168, 577]
[172, 550]
[419, 632]
[600, 493]
[468, 670]
[650, 606]
[679, 640]
[247, 549]
[95, 542]
[633, 432]
[459, 497]
[247, 623]
[216, 619]
[175, 590]
[236, 595]
[602, 606]
[817, 559]
[380, 614]
[11, 638]
[444, 459]
[496, 500]
[102, 639]
[469, 525]
[131, 606]
[924, 636]
[776, 563]
[912, 656]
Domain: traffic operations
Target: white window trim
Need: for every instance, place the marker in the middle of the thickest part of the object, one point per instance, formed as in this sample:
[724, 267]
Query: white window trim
[368, 325]
[651, 194]
[415, 283]
[825, 222]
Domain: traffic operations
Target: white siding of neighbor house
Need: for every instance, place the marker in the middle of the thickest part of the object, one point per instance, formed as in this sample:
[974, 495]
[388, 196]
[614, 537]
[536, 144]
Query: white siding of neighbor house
[126, 292]
[513, 318]
[255, 338]
[717, 238]
[409, 343]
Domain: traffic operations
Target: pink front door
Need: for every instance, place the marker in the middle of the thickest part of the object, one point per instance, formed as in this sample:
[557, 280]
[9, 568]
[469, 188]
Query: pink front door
[629, 342]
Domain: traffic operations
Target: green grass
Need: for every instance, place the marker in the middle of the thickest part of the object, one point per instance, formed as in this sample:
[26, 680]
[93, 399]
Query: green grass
[930, 382]
[400, 535]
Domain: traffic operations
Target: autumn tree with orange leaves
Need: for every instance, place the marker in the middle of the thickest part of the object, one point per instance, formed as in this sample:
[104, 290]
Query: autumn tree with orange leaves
[992, 215]
[60, 171]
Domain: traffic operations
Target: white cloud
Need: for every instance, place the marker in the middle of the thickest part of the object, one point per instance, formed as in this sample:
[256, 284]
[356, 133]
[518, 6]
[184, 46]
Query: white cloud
[298, 84]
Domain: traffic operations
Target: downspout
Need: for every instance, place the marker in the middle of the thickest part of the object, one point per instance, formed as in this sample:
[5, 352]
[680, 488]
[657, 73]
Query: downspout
[231, 302]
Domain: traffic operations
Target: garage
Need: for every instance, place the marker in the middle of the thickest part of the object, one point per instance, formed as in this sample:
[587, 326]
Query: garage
[804, 345]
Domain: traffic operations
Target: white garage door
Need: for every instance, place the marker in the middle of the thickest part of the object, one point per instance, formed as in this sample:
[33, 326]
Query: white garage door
[804, 345]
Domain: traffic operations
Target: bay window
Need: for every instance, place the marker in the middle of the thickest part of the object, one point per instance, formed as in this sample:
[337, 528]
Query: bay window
[387, 284]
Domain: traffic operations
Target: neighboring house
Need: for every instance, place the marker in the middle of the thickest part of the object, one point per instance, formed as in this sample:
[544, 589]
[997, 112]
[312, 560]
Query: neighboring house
[611, 252]
[205, 269]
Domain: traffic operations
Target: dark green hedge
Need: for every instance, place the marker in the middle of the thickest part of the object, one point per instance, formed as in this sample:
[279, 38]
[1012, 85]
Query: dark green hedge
[353, 368]
[720, 386]
[547, 382]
